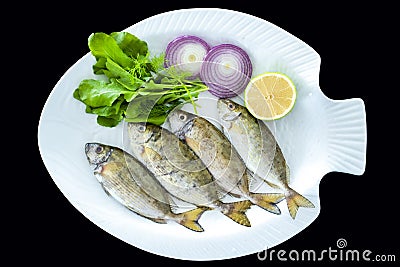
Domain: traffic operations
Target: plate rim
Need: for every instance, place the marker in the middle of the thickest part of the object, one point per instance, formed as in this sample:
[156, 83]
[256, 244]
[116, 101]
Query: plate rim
[85, 56]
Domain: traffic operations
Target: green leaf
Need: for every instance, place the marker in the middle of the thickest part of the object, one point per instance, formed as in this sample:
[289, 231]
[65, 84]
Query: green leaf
[149, 109]
[116, 70]
[103, 45]
[130, 96]
[139, 88]
[122, 76]
[108, 110]
[99, 66]
[157, 120]
[76, 94]
[96, 93]
[141, 107]
[130, 44]
[107, 122]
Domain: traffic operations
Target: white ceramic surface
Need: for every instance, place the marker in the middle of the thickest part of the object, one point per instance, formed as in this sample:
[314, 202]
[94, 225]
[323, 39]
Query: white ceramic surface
[320, 135]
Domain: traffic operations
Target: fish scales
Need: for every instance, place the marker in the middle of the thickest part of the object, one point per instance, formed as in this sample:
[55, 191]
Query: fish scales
[130, 183]
[260, 151]
[180, 171]
[220, 157]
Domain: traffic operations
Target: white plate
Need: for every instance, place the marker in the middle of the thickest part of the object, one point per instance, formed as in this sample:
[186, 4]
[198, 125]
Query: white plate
[320, 135]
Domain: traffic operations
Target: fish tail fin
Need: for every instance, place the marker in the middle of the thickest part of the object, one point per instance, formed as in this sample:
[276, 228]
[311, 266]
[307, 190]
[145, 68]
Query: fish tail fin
[294, 200]
[190, 218]
[268, 201]
[236, 211]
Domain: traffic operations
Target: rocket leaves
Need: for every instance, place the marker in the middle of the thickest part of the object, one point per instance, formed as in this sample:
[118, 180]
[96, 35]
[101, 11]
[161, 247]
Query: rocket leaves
[105, 46]
[134, 89]
[96, 93]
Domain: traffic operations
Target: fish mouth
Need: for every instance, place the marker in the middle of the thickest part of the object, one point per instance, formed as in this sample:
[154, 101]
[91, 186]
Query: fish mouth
[87, 147]
[96, 163]
[93, 165]
[98, 166]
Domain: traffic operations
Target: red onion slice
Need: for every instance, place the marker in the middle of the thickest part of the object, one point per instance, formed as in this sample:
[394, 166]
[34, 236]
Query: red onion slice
[186, 53]
[226, 70]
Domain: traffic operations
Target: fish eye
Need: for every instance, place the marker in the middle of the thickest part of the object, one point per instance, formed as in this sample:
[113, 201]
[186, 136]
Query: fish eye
[182, 117]
[142, 128]
[99, 149]
[231, 106]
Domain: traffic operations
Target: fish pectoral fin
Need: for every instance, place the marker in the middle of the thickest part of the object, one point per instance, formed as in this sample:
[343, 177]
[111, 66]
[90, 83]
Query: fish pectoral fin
[151, 154]
[190, 218]
[192, 144]
[294, 200]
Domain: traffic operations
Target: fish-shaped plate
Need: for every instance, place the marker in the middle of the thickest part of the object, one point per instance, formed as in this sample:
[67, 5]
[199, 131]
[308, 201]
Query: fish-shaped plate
[319, 136]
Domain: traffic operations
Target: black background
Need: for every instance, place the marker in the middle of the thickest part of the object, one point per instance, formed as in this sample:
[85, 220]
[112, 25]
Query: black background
[357, 51]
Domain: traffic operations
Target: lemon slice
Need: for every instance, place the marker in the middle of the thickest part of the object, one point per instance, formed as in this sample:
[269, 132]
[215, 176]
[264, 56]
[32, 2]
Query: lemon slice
[270, 96]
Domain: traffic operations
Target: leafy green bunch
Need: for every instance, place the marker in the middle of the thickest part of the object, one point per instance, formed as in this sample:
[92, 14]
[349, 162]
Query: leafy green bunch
[138, 88]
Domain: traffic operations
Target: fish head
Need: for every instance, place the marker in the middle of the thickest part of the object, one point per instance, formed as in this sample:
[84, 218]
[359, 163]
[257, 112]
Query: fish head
[97, 153]
[180, 120]
[228, 111]
[140, 133]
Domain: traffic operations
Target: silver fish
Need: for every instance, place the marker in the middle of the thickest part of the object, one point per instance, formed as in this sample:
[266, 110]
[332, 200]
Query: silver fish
[110, 165]
[180, 171]
[261, 152]
[220, 157]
